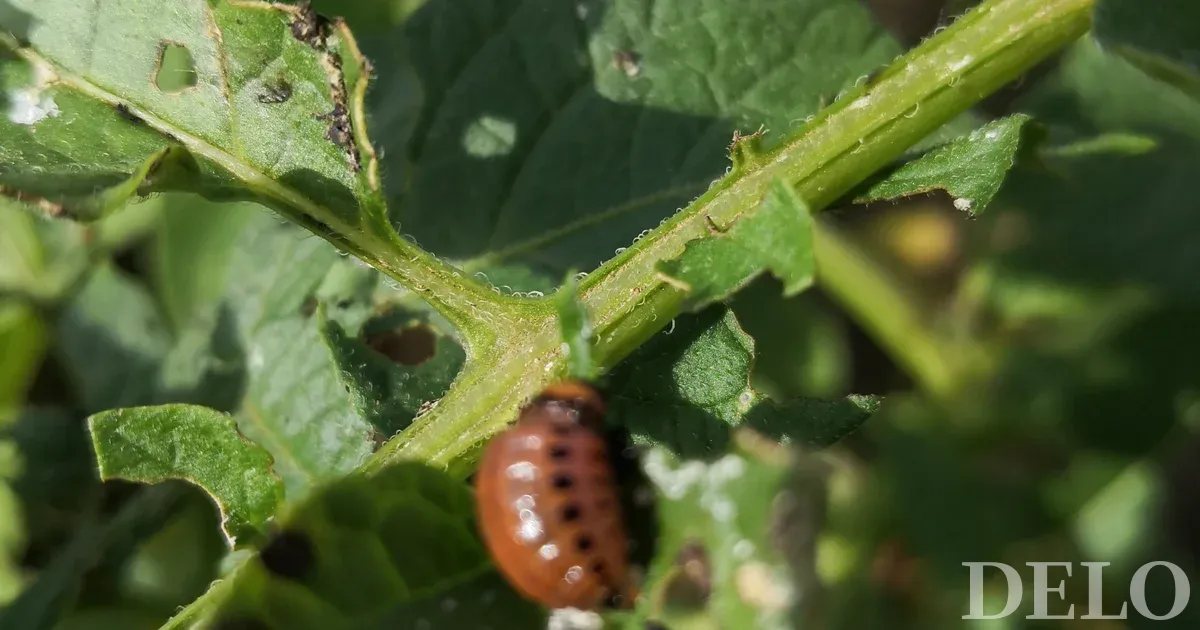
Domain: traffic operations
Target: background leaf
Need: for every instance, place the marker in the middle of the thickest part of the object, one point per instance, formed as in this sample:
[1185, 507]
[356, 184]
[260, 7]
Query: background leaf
[718, 561]
[970, 168]
[399, 547]
[687, 389]
[1160, 39]
[623, 144]
[198, 445]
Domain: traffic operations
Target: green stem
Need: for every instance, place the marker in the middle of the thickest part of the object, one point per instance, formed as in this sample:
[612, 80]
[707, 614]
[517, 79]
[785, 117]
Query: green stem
[883, 308]
[473, 308]
[862, 132]
[865, 130]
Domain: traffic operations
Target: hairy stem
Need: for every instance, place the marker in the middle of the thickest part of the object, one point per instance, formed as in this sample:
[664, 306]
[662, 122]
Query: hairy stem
[865, 130]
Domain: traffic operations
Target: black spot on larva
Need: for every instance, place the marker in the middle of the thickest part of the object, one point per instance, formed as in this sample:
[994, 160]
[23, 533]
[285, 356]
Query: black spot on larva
[558, 451]
[570, 512]
[241, 623]
[598, 568]
[584, 543]
[562, 482]
[289, 554]
[124, 112]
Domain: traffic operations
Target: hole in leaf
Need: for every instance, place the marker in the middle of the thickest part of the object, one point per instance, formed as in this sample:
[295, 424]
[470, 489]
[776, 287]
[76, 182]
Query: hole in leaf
[176, 68]
[412, 345]
[289, 554]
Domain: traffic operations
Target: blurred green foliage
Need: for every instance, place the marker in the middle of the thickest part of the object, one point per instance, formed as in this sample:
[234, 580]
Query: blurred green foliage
[1080, 275]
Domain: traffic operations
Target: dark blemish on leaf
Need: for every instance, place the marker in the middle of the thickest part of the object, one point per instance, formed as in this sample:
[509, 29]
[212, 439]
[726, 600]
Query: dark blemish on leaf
[124, 112]
[289, 555]
[310, 27]
[48, 207]
[695, 569]
[308, 307]
[341, 132]
[411, 345]
[278, 91]
[628, 62]
[378, 439]
[655, 625]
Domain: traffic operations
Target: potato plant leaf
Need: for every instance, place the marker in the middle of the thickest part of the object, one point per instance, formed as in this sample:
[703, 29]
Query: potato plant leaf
[576, 332]
[602, 129]
[387, 393]
[398, 549]
[269, 109]
[113, 342]
[294, 403]
[775, 237]
[198, 445]
[23, 339]
[1160, 38]
[723, 558]
[686, 390]
[970, 168]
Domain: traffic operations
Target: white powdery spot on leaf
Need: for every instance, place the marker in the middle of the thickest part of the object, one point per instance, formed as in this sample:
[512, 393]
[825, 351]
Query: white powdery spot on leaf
[31, 105]
[574, 619]
[963, 204]
[673, 483]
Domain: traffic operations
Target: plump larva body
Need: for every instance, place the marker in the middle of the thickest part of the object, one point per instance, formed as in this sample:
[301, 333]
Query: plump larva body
[548, 506]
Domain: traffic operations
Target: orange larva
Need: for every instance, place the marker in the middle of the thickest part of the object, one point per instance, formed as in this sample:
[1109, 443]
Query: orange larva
[548, 505]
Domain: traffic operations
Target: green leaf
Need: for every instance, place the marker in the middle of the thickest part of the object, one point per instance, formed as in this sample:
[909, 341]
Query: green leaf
[574, 143]
[272, 114]
[57, 484]
[576, 332]
[775, 237]
[190, 257]
[294, 404]
[23, 337]
[394, 550]
[40, 605]
[685, 390]
[727, 516]
[801, 345]
[112, 340]
[21, 254]
[970, 168]
[1160, 38]
[198, 445]
[386, 393]
[1073, 224]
